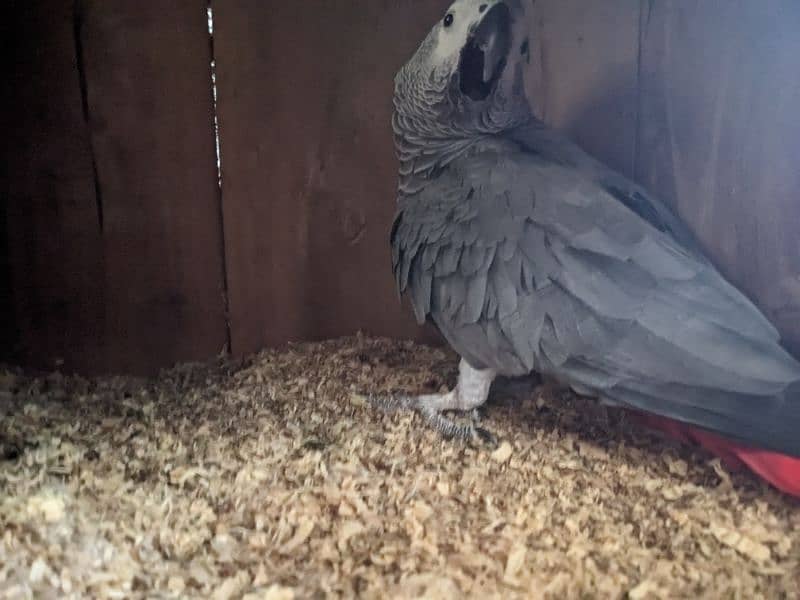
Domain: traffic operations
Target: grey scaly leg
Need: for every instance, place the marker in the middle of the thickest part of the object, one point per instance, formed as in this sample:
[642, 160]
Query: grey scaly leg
[470, 392]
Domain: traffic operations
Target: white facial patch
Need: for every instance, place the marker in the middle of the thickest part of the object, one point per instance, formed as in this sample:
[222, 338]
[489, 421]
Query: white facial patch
[453, 38]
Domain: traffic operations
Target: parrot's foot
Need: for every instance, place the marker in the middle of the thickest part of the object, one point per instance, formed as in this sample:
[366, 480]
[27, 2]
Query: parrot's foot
[471, 392]
[429, 406]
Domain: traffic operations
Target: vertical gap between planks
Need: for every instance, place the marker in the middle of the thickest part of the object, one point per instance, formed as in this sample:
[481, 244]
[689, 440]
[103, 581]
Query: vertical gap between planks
[218, 156]
[77, 28]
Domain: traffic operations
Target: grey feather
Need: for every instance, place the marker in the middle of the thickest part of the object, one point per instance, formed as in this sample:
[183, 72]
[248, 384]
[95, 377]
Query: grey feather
[447, 263]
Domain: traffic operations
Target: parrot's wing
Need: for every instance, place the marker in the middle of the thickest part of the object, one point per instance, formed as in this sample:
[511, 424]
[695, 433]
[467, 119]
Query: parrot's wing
[526, 264]
[537, 139]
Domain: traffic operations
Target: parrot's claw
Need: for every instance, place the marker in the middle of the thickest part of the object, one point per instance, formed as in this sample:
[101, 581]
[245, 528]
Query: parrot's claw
[484, 434]
[434, 416]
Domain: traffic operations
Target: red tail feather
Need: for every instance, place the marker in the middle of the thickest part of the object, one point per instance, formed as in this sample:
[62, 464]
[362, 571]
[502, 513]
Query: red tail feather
[778, 469]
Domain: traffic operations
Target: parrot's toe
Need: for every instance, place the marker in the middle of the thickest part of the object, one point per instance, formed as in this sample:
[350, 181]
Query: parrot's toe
[454, 430]
[390, 403]
[484, 434]
[430, 408]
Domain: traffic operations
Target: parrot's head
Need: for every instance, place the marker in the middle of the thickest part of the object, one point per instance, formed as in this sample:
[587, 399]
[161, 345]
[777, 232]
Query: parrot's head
[467, 75]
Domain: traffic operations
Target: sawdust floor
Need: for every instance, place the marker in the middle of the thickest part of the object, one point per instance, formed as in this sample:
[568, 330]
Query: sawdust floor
[271, 478]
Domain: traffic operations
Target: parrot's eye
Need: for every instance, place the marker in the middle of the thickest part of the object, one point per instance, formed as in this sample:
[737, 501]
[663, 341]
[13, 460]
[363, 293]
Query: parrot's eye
[448, 19]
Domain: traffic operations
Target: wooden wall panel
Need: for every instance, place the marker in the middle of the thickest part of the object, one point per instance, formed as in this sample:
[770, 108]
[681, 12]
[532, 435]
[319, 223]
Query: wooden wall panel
[720, 137]
[151, 117]
[54, 243]
[309, 173]
[113, 215]
[583, 75]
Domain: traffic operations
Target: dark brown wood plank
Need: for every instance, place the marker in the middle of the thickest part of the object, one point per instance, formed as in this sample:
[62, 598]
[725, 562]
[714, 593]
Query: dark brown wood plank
[151, 116]
[583, 76]
[720, 138]
[309, 172]
[54, 244]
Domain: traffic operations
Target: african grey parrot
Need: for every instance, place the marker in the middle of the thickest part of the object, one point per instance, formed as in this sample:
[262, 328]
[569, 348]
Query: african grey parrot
[531, 256]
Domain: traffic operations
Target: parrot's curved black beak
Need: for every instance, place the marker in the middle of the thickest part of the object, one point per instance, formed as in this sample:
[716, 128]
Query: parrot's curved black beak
[484, 56]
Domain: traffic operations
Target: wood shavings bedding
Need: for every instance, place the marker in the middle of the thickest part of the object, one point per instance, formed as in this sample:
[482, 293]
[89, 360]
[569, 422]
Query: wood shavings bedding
[273, 478]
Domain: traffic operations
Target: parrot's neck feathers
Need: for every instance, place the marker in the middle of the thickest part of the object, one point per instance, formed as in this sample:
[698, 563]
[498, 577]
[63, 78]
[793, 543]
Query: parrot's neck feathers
[432, 127]
[422, 158]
